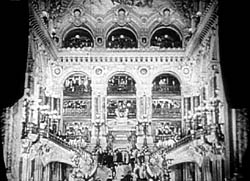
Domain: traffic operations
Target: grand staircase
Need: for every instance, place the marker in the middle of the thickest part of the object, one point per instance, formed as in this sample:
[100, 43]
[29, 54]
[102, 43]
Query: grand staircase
[121, 129]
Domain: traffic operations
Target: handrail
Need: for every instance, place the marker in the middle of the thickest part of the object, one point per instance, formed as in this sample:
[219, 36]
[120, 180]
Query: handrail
[55, 139]
[183, 141]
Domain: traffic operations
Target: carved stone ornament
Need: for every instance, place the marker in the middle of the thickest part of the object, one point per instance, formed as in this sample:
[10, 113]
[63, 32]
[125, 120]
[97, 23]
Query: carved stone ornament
[186, 70]
[143, 71]
[98, 71]
[77, 17]
[57, 71]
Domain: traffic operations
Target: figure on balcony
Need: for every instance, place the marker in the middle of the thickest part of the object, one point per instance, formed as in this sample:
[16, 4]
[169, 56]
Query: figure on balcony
[76, 85]
[121, 111]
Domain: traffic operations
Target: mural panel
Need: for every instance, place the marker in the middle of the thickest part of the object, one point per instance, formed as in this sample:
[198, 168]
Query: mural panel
[77, 85]
[121, 84]
[166, 108]
[77, 107]
[121, 108]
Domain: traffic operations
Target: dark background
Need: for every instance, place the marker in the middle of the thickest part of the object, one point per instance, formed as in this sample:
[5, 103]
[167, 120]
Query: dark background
[234, 44]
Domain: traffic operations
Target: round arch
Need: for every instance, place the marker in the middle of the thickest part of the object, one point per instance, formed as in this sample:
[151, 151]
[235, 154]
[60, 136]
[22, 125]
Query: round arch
[166, 37]
[122, 83]
[67, 75]
[78, 37]
[76, 83]
[110, 75]
[121, 37]
[174, 74]
[166, 83]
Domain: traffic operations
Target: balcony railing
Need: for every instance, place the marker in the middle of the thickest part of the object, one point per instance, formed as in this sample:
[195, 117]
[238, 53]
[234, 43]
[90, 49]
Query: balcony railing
[62, 142]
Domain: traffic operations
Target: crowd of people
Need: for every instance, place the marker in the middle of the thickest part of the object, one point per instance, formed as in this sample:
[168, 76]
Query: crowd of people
[167, 134]
[120, 84]
[122, 108]
[75, 135]
[166, 84]
[166, 107]
[78, 41]
[124, 165]
[121, 41]
[165, 41]
[78, 107]
[77, 85]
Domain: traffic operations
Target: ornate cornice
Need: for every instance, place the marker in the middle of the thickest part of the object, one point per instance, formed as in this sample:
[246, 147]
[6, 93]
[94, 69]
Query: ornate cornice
[207, 21]
[41, 31]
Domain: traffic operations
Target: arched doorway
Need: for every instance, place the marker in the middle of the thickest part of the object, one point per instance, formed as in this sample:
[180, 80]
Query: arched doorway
[166, 108]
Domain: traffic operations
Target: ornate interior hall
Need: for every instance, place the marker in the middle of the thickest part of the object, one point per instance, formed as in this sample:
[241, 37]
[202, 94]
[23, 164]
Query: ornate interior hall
[128, 90]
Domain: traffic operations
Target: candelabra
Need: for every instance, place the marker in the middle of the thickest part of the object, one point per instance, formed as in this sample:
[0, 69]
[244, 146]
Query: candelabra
[165, 168]
[98, 124]
[145, 125]
[31, 106]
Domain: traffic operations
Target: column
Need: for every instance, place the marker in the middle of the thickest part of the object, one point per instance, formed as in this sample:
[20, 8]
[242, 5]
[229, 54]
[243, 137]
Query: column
[46, 173]
[197, 172]
[98, 93]
[98, 96]
[25, 167]
[139, 101]
[61, 127]
[144, 96]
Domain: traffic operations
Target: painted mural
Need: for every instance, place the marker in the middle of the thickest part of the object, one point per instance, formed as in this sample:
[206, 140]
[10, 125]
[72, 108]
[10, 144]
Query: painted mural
[140, 6]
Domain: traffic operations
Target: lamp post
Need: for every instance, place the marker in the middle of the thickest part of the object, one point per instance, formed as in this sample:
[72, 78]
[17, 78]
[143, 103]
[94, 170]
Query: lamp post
[144, 124]
[165, 168]
[98, 124]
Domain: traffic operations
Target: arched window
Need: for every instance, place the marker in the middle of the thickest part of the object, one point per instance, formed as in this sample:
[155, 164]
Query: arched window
[166, 97]
[78, 38]
[121, 84]
[121, 38]
[121, 92]
[77, 85]
[77, 96]
[166, 84]
[166, 38]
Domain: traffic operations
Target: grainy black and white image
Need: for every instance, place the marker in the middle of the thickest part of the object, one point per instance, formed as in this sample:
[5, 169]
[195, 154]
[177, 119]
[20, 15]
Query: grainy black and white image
[123, 90]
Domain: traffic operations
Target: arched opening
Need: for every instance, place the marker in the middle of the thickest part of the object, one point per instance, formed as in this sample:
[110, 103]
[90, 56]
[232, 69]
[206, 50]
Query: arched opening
[166, 109]
[121, 38]
[77, 85]
[166, 84]
[121, 84]
[77, 96]
[121, 94]
[166, 38]
[78, 38]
